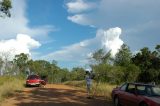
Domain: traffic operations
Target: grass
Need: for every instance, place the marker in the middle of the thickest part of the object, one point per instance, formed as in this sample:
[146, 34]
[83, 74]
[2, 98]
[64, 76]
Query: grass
[100, 89]
[8, 85]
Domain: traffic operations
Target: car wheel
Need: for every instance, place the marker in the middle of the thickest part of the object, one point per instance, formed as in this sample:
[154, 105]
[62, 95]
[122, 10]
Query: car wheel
[116, 101]
[143, 104]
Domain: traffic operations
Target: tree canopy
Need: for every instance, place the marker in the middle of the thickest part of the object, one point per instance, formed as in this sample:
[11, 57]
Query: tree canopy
[5, 6]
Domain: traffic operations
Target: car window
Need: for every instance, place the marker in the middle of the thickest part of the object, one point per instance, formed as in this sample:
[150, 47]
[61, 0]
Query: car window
[156, 91]
[131, 88]
[123, 87]
[149, 91]
[141, 90]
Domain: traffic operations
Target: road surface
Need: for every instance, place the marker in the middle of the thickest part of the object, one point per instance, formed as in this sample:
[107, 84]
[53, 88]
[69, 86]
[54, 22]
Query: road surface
[54, 95]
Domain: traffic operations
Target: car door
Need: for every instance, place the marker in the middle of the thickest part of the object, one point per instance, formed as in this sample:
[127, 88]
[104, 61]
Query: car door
[122, 93]
[131, 98]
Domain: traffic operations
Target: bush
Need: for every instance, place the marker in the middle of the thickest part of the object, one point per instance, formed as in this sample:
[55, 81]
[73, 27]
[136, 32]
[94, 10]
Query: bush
[8, 85]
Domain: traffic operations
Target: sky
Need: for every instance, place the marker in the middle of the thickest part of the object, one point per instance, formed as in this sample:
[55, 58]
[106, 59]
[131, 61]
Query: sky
[69, 31]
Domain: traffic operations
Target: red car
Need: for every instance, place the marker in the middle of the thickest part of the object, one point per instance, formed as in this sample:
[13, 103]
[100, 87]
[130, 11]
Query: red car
[33, 80]
[136, 94]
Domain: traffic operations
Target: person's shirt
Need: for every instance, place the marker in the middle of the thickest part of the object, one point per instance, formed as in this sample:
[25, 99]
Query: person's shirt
[88, 79]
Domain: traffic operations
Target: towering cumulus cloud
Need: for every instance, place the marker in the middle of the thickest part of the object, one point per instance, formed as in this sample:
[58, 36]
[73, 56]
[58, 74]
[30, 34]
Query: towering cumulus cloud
[22, 44]
[111, 39]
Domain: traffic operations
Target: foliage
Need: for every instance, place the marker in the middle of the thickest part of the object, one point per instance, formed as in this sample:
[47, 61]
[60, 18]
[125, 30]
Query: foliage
[123, 57]
[144, 66]
[149, 63]
[101, 71]
[141, 67]
[77, 73]
[100, 56]
[5, 6]
[21, 61]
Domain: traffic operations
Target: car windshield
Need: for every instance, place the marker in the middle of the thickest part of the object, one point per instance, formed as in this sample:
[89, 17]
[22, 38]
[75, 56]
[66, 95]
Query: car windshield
[33, 77]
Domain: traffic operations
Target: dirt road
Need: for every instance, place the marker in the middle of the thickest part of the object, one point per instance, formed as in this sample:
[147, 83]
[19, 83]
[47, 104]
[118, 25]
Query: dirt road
[54, 95]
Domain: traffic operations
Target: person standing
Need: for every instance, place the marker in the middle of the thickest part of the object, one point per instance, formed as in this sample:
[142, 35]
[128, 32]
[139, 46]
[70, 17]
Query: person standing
[88, 83]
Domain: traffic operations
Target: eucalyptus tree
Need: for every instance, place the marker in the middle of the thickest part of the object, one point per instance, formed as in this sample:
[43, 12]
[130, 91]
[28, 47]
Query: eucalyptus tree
[5, 6]
[21, 60]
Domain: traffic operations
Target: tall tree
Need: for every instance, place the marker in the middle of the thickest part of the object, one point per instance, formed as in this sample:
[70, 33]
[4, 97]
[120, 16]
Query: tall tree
[1, 64]
[149, 63]
[143, 59]
[123, 57]
[21, 61]
[5, 6]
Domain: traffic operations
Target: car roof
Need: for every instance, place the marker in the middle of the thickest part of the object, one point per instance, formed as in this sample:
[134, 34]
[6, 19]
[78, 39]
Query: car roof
[141, 84]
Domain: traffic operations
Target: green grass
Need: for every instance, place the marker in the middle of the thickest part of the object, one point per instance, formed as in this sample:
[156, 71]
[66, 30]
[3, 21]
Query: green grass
[8, 85]
[100, 89]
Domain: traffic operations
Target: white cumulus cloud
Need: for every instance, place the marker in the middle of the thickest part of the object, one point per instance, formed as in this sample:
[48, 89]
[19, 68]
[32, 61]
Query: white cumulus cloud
[111, 39]
[80, 52]
[78, 6]
[140, 20]
[80, 19]
[22, 44]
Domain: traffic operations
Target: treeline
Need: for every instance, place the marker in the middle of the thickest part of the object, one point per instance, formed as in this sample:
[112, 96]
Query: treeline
[23, 66]
[143, 66]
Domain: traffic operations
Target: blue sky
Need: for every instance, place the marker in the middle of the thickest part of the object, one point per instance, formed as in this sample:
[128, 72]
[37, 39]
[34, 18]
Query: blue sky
[69, 31]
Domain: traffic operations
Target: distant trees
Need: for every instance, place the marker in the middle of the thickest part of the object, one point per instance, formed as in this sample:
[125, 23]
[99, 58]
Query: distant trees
[144, 66]
[77, 73]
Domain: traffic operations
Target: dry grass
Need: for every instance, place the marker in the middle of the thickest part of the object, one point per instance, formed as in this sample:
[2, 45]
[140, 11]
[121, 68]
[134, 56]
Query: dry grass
[8, 85]
[102, 89]
[76, 83]
[98, 89]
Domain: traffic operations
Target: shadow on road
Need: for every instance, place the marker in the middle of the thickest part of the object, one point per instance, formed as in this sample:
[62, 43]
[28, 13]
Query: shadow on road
[58, 97]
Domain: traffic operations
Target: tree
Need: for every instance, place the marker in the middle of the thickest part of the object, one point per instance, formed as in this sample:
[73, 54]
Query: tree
[101, 65]
[123, 57]
[149, 63]
[143, 59]
[5, 6]
[1, 64]
[102, 72]
[77, 73]
[157, 48]
[21, 61]
[100, 56]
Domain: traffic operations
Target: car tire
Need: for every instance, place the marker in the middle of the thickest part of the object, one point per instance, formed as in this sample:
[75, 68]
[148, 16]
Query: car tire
[116, 101]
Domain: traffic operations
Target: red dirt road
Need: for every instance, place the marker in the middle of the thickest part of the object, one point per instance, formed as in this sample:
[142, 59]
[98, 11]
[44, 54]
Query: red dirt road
[54, 95]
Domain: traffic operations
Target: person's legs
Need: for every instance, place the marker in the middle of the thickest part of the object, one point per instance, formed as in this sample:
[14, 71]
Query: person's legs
[88, 90]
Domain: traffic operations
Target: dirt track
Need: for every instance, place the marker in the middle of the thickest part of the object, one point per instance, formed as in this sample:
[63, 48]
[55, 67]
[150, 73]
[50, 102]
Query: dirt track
[54, 95]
